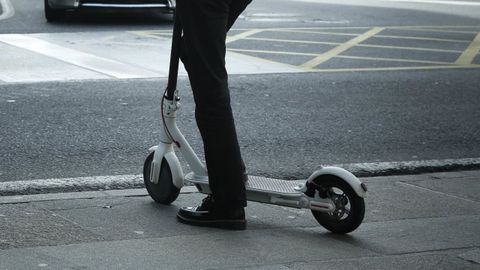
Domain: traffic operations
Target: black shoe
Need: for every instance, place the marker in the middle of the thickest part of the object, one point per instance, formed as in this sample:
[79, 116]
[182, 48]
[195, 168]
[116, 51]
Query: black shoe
[209, 215]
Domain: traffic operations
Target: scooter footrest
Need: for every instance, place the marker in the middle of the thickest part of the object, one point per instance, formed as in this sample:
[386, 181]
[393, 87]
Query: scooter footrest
[263, 184]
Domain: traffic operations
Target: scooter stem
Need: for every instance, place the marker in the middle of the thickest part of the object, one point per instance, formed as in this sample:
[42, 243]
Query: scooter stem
[171, 133]
[174, 59]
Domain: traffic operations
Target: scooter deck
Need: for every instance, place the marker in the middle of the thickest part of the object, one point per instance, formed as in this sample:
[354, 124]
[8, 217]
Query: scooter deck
[264, 184]
[260, 184]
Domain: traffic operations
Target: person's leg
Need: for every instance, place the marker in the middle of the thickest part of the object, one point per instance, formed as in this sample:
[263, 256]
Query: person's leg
[236, 8]
[205, 23]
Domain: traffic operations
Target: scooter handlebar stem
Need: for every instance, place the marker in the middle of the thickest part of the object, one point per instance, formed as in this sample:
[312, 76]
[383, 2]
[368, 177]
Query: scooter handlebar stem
[170, 107]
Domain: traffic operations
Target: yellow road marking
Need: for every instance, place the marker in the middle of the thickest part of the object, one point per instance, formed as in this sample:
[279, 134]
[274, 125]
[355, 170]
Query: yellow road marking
[272, 52]
[434, 26]
[425, 38]
[406, 27]
[394, 68]
[393, 60]
[436, 30]
[408, 48]
[274, 62]
[155, 34]
[345, 56]
[470, 53]
[162, 33]
[243, 35]
[315, 32]
[464, 60]
[379, 36]
[359, 45]
[293, 41]
[133, 43]
[307, 28]
[150, 34]
[341, 48]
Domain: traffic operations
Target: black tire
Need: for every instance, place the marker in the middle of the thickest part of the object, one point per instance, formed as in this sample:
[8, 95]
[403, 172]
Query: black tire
[53, 14]
[164, 192]
[349, 214]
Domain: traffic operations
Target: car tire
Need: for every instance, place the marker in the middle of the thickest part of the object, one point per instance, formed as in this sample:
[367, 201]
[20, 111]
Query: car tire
[53, 14]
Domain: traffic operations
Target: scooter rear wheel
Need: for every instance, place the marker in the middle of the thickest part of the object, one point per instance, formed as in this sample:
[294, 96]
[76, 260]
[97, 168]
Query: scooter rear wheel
[164, 191]
[349, 207]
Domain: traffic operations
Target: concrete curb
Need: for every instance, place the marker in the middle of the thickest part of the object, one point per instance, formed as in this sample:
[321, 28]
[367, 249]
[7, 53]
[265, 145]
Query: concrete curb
[61, 185]
[121, 182]
[411, 167]
[141, 192]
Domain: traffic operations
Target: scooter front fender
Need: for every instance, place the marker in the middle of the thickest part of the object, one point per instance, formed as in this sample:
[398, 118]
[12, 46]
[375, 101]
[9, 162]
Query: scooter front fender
[165, 151]
[343, 174]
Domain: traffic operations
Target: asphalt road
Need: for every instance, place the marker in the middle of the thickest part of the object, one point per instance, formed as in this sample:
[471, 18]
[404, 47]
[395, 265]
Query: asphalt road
[345, 111]
[29, 17]
[287, 125]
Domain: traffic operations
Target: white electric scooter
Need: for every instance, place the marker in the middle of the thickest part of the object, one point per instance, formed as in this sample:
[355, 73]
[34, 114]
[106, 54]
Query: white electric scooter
[334, 195]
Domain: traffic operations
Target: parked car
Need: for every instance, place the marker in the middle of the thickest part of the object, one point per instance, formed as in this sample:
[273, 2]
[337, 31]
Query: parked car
[56, 9]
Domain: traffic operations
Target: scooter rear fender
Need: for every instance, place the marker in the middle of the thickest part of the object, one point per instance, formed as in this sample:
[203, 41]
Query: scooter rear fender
[343, 174]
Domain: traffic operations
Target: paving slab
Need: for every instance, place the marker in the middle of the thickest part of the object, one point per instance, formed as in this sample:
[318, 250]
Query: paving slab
[27, 259]
[418, 235]
[406, 199]
[454, 188]
[140, 217]
[412, 222]
[472, 256]
[24, 225]
[437, 261]
[200, 251]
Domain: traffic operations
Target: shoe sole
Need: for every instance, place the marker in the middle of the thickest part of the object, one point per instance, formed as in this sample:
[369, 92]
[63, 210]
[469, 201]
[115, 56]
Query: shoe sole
[235, 224]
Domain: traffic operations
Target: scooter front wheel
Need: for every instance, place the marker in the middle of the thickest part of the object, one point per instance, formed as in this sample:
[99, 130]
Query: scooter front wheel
[349, 207]
[164, 191]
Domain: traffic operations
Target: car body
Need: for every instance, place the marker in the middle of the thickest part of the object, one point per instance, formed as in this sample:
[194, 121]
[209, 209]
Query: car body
[55, 9]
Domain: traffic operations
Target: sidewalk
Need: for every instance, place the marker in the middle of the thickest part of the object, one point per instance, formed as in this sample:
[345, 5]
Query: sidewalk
[427, 221]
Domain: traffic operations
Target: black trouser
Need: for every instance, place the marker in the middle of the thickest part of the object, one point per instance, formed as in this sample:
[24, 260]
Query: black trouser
[205, 24]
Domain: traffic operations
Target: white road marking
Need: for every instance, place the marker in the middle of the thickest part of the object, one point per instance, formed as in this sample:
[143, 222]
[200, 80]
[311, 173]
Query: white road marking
[102, 65]
[7, 9]
[79, 56]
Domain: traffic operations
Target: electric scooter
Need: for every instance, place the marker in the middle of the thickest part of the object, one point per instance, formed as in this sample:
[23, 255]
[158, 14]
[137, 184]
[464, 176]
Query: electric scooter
[334, 195]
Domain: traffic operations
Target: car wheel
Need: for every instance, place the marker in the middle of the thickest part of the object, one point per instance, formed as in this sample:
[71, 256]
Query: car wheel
[53, 14]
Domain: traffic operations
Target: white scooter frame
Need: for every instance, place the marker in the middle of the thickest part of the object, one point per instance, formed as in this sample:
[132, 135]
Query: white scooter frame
[334, 195]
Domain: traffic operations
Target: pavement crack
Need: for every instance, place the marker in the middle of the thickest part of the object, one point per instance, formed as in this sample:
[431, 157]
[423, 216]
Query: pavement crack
[436, 191]
[417, 218]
